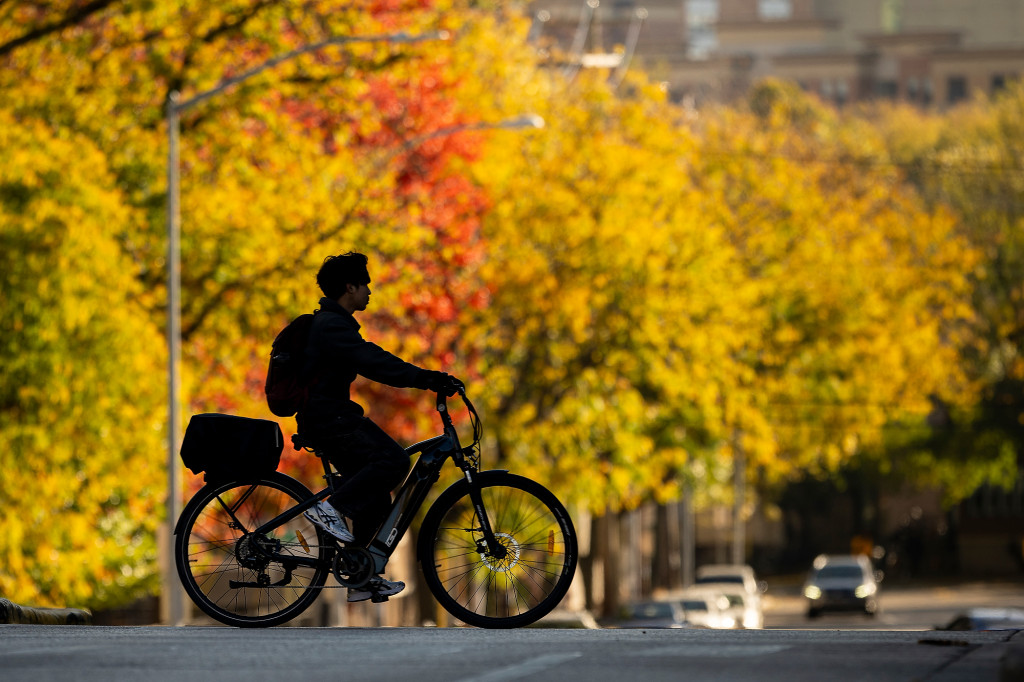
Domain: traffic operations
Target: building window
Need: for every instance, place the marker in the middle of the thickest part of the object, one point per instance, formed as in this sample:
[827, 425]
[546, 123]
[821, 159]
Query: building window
[998, 83]
[701, 38]
[892, 16]
[842, 92]
[913, 89]
[927, 91]
[887, 89]
[956, 89]
[775, 9]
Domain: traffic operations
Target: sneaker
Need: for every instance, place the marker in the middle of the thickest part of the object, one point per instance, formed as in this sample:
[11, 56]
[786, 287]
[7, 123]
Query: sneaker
[327, 517]
[378, 588]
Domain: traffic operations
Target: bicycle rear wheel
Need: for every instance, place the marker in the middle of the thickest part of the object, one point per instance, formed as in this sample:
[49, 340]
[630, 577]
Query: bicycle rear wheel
[485, 590]
[243, 578]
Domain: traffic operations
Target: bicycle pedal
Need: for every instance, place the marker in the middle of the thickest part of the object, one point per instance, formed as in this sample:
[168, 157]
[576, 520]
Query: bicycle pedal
[378, 598]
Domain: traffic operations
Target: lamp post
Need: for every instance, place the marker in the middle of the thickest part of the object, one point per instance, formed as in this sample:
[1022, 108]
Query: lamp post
[517, 123]
[174, 108]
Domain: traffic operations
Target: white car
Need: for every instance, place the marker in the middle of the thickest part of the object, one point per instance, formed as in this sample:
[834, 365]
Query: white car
[744, 610]
[733, 578]
[732, 574]
[705, 609]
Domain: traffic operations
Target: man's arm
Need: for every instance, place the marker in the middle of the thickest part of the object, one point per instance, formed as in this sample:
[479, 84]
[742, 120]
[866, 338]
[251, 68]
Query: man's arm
[367, 359]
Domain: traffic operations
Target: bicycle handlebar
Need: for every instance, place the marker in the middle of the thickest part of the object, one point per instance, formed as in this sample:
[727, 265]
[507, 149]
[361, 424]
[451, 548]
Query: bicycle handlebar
[460, 390]
[474, 418]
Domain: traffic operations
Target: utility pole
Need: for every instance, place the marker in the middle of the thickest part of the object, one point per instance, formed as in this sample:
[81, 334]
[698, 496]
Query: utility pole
[739, 539]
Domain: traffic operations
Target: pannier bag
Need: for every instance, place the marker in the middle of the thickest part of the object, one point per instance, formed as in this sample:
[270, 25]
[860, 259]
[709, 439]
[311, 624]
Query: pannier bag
[226, 446]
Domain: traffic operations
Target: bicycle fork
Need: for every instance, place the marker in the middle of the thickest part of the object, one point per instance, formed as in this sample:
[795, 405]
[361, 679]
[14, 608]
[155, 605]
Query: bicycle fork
[489, 543]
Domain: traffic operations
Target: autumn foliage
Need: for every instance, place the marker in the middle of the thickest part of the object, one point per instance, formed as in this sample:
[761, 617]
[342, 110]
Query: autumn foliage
[635, 293]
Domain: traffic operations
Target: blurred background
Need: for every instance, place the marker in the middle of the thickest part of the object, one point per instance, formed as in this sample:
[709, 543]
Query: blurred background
[742, 281]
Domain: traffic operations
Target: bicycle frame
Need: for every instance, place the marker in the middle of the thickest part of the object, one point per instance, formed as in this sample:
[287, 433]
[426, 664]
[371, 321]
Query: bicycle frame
[425, 473]
[413, 492]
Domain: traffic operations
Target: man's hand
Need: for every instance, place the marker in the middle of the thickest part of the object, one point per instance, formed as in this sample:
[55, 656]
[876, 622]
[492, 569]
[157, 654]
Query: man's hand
[444, 384]
[456, 384]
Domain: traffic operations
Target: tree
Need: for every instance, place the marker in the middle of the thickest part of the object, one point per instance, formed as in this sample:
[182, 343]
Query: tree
[82, 389]
[306, 160]
[616, 311]
[673, 290]
[863, 298]
[969, 161]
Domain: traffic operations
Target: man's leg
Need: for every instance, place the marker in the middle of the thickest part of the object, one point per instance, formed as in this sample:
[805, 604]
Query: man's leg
[372, 465]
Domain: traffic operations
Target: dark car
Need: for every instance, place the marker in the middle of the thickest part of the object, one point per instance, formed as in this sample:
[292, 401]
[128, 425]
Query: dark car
[988, 619]
[841, 583]
[652, 614]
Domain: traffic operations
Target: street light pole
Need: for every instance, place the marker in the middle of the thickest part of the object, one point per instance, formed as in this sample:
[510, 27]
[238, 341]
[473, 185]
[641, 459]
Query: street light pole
[175, 106]
[519, 122]
[173, 596]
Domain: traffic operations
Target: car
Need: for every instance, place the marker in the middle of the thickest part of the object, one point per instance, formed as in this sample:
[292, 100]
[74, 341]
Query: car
[730, 574]
[651, 614]
[729, 579]
[744, 610]
[841, 583]
[704, 608]
[987, 619]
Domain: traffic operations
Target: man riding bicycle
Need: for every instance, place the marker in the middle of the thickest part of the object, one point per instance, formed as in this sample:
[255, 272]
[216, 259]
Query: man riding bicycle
[371, 463]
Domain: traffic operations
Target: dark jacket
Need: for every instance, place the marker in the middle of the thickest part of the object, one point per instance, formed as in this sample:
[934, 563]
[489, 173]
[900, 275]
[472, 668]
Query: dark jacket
[336, 353]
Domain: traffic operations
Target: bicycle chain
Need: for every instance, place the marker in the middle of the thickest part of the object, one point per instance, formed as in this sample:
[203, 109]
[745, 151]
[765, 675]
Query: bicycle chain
[308, 587]
[290, 586]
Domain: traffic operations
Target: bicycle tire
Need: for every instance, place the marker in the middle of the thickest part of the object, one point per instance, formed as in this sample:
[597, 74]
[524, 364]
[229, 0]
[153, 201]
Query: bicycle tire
[479, 589]
[211, 551]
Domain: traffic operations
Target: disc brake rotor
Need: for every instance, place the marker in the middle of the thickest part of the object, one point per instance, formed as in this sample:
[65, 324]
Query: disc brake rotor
[507, 562]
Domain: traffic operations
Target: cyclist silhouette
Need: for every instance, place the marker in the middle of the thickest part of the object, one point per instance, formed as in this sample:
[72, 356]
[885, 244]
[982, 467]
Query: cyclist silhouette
[372, 464]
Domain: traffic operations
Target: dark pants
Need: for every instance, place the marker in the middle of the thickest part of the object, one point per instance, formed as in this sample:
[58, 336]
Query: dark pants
[371, 463]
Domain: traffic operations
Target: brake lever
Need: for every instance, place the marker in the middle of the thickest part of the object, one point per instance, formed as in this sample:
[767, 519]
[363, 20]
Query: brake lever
[466, 400]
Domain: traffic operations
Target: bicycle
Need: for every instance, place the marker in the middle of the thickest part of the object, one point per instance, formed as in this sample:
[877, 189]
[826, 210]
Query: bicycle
[496, 550]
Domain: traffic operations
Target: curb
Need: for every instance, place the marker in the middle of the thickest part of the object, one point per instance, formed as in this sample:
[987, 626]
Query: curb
[1011, 665]
[28, 615]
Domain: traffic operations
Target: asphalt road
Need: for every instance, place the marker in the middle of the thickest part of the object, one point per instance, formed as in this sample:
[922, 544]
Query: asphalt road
[157, 654]
[898, 644]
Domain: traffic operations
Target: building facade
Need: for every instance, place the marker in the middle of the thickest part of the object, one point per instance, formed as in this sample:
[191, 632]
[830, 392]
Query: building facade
[933, 53]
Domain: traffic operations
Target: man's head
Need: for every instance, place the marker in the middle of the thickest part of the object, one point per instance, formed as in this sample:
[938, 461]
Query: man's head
[345, 279]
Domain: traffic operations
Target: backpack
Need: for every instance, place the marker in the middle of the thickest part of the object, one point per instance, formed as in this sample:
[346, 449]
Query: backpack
[287, 385]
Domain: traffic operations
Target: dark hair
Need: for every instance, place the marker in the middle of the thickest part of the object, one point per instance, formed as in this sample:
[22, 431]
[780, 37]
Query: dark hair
[337, 271]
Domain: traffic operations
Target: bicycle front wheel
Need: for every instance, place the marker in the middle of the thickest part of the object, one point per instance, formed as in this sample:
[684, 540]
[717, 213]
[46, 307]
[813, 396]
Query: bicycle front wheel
[519, 584]
[243, 578]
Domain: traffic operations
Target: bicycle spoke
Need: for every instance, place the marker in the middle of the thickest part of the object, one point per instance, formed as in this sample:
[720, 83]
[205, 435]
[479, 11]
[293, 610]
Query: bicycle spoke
[517, 586]
[232, 574]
